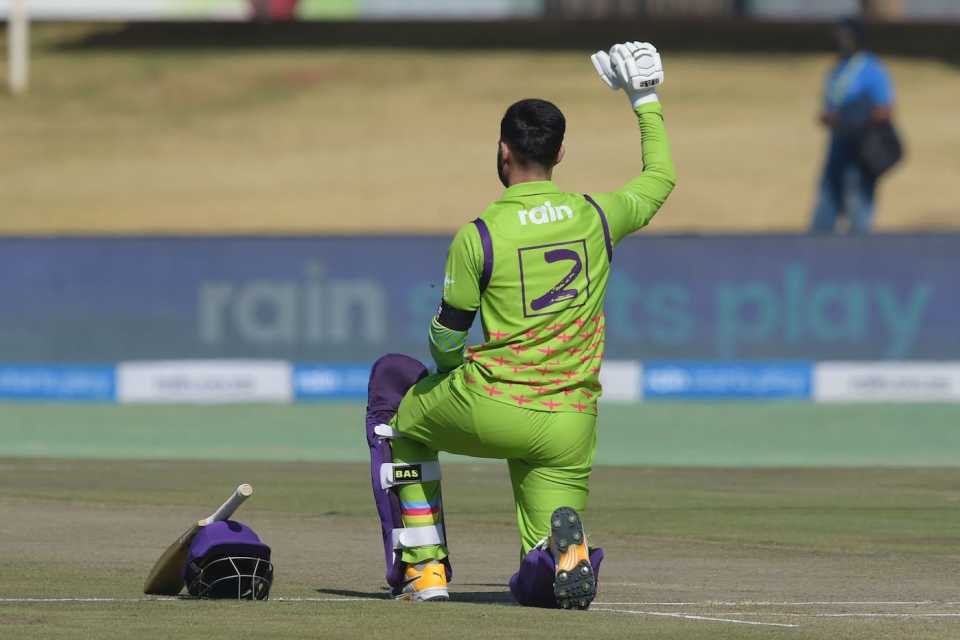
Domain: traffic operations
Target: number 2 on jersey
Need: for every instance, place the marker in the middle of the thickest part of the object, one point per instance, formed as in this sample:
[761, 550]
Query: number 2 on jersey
[554, 277]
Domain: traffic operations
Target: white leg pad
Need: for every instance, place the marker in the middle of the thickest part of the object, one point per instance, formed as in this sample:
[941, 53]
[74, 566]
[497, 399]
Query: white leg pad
[418, 536]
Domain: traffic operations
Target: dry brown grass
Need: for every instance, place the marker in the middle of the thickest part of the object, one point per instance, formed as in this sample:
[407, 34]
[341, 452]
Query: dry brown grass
[403, 141]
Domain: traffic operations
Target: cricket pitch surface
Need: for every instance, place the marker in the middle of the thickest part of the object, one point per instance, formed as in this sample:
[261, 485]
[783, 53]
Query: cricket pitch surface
[691, 553]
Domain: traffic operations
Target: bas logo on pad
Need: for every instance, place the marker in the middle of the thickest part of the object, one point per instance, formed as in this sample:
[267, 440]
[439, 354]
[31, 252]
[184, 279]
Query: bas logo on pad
[407, 473]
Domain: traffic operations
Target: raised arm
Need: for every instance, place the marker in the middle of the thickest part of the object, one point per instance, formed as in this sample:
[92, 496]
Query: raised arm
[636, 68]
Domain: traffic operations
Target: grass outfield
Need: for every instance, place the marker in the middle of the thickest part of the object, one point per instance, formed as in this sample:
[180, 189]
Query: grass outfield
[96, 492]
[691, 553]
[650, 434]
[347, 140]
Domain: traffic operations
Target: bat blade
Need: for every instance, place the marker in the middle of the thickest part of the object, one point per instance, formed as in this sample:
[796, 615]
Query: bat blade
[166, 577]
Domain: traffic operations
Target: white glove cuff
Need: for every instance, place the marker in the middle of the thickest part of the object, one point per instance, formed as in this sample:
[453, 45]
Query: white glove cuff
[646, 97]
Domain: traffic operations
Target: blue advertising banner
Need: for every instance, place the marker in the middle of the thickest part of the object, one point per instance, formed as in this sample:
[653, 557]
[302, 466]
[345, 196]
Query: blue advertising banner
[77, 383]
[707, 380]
[350, 299]
[330, 382]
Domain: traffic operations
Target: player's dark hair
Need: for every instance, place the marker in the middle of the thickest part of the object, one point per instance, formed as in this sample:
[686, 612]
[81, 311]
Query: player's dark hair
[533, 129]
[857, 28]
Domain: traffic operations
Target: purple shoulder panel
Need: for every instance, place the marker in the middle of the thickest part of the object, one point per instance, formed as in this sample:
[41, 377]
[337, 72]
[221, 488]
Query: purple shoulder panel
[487, 243]
[606, 227]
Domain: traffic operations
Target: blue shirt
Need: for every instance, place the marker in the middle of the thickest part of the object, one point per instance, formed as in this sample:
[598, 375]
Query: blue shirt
[854, 88]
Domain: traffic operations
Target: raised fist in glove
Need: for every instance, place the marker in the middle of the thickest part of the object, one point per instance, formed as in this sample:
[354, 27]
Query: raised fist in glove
[634, 67]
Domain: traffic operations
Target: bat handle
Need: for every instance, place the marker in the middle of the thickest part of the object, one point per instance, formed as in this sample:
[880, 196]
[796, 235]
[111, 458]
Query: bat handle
[226, 510]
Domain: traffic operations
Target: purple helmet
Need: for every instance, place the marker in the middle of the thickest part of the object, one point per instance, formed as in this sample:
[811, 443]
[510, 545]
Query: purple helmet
[228, 560]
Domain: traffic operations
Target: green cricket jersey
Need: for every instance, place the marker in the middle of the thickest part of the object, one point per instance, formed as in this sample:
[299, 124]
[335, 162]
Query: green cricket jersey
[536, 265]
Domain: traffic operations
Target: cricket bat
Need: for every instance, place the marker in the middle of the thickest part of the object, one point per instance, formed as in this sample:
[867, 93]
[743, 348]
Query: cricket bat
[166, 577]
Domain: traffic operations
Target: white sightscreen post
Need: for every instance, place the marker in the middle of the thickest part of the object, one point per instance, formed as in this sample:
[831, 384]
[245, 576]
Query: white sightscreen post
[18, 46]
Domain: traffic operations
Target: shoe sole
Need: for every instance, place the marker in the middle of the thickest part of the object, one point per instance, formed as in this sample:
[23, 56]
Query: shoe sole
[433, 594]
[575, 584]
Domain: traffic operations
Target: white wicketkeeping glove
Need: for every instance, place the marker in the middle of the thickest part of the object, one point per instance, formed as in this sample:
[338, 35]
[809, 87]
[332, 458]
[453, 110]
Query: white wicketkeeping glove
[634, 67]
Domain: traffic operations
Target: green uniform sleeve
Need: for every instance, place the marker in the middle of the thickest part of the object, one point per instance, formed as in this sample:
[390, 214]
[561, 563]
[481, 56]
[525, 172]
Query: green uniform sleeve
[446, 346]
[461, 278]
[461, 289]
[632, 207]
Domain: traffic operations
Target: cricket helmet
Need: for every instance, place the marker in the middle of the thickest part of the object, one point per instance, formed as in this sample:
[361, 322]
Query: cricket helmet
[228, 560]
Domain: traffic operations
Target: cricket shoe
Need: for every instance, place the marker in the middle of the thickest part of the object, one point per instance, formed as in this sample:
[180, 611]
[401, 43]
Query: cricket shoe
[422, 582]
[575, 583]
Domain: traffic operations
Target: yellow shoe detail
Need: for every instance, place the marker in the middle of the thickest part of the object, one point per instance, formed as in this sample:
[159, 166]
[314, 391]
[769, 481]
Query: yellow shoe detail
[573, 555]
[425, 581]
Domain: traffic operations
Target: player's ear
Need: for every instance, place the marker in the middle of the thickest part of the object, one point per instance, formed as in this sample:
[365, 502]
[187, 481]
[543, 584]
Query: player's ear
[560, 154]
[504, 152]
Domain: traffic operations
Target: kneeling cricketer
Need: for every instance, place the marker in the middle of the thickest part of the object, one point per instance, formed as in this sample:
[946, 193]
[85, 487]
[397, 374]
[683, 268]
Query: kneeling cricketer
[535, 264]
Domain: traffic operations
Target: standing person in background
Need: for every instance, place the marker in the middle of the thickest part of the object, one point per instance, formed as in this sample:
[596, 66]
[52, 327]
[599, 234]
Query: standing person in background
[858, 98]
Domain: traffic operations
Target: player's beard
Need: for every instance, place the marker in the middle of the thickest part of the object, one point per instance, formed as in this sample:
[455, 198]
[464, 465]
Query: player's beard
[501, 167]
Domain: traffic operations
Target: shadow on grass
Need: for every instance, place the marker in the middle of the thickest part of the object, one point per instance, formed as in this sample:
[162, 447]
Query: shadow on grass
[471, 597]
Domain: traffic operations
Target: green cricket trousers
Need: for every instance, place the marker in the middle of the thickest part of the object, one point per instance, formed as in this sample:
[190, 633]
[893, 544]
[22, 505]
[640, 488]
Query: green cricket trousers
[549, 455]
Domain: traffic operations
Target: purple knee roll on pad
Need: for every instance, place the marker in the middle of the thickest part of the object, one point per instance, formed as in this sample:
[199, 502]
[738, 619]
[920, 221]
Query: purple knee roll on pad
[390, 378]
[532, 585]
